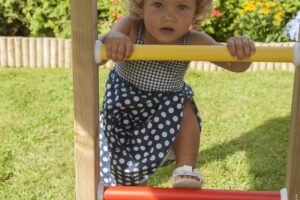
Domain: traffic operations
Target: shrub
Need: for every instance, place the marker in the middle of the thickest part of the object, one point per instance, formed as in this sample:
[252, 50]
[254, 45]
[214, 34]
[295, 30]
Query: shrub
[109, 11]
[220, 26]
[265, 20]
[35, 18]
[262, 20]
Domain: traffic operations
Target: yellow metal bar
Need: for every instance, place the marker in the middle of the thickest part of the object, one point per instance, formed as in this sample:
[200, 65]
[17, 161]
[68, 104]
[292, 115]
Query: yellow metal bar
[205, 53]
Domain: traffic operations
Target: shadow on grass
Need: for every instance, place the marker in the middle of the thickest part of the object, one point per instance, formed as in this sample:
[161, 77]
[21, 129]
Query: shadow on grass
[265, 148]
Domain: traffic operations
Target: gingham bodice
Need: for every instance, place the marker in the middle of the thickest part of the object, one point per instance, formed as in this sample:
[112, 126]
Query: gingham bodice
[153, 75]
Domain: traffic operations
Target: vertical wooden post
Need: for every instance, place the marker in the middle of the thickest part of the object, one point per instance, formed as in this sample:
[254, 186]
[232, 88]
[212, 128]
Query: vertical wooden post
[293, 166]
[86, 93]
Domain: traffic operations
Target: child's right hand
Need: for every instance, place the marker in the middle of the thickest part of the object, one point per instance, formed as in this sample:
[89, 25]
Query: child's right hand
[118, 46]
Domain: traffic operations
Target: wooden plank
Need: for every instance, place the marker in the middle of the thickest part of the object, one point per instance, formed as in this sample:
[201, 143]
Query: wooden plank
[3, 52]
[18, 51]
[86, 97]
[293, 165]
[39, 52]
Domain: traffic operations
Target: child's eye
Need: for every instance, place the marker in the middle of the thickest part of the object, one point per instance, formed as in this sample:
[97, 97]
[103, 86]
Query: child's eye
[182, 7]
[157, 5]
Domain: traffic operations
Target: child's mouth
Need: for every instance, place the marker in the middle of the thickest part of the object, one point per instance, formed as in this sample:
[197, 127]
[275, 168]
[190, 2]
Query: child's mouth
[166, 29]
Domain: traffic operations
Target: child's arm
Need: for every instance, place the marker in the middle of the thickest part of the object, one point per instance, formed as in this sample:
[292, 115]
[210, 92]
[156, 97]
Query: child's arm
[240, 47]
[119, 40]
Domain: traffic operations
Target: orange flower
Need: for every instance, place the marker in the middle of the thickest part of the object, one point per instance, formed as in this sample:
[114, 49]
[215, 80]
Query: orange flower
[217, 13]
[115, 2]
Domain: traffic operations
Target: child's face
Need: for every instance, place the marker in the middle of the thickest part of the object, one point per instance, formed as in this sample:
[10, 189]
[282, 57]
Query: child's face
[167, 21]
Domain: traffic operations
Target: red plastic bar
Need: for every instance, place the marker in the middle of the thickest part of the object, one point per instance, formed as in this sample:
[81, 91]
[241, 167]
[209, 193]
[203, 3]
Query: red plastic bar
[149, 193]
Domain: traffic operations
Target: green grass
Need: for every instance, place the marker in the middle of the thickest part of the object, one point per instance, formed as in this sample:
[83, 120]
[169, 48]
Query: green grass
[243, 145]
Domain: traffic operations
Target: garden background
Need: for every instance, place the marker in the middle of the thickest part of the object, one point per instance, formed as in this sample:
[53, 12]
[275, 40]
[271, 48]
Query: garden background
[246, 116]
[262, 20]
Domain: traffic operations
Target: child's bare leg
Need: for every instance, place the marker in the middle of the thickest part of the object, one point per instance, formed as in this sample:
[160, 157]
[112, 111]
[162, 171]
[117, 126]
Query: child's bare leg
[187, 142]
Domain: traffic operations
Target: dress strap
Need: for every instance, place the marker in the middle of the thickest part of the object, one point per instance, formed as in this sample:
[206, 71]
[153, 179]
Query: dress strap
[139, 39]
[184, 38]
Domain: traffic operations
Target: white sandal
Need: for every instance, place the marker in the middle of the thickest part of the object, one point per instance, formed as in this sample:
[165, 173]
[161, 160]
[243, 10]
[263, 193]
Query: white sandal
[195, 180]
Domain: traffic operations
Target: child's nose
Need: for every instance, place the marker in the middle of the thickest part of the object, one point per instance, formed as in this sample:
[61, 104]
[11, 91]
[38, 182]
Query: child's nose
[169, 14]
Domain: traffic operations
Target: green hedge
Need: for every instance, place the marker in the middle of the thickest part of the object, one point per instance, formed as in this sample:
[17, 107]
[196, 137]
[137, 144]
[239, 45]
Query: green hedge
[262, 20]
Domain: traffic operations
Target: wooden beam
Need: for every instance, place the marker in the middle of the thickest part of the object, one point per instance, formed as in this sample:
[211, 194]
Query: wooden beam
[86, 95]
[293, 165]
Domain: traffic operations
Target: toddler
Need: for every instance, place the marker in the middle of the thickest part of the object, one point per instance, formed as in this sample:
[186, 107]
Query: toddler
[149, 117]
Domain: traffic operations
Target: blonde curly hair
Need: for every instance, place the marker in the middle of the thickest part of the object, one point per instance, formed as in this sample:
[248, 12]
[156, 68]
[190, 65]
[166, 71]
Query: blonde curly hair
[203, 10]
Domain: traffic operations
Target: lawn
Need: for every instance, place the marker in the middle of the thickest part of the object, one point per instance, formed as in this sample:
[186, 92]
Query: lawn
[243, 145]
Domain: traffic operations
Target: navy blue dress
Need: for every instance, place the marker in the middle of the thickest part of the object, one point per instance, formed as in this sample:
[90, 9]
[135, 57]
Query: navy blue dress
[140, 118]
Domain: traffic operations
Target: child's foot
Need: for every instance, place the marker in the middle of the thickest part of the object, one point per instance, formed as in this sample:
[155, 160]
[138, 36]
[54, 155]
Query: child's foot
[186, 177]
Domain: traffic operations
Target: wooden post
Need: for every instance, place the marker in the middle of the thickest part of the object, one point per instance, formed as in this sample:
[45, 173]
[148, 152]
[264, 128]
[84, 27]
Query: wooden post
[86, 97]
[293, 165]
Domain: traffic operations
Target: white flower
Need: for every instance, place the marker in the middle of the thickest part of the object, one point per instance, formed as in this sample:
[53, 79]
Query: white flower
[292, 28]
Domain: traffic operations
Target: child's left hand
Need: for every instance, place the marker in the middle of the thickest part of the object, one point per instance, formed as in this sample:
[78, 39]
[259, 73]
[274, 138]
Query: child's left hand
[241, 47]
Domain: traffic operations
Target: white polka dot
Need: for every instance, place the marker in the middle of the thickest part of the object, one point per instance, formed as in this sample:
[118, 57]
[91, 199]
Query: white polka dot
[175, 118]
[171, 110]
[135, 112]
[164, 134]
[167, 143]
[152, 158]
[156, 137]
[145, 114]
[156, 119]
[153, 165]
[149, 125]
[136, 132]
[146, 138]
[160, 126]
[179, 106]
[105, 170]
[168, 102]
[136, 98]
[158, 146]
[108, 86]
[129, 163]
[172, 130]
[127, 101]
[163, 114]
[175, 98]
[161, 155]
[121, 160]
[109, 101]
[105, 159]
[126, 121]
[105, 148]
[137, 156]
[143, 148]
[122, 140]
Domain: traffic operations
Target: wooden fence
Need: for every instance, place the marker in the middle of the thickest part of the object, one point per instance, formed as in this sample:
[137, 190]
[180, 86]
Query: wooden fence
[16, 52]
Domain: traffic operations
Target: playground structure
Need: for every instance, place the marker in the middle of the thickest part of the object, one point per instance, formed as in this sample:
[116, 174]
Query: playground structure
[86, 115]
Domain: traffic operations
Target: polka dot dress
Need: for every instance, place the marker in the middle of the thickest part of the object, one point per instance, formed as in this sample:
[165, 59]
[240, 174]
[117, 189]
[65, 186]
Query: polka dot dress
[137, 130]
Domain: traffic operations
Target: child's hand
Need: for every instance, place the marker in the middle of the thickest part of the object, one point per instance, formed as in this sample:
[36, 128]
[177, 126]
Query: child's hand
[118, 46]
[241, 47]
